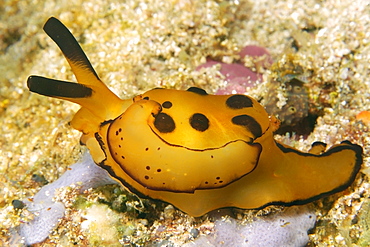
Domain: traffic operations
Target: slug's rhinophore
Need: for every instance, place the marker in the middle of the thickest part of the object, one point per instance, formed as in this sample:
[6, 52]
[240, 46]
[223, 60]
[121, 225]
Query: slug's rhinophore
[196, 151]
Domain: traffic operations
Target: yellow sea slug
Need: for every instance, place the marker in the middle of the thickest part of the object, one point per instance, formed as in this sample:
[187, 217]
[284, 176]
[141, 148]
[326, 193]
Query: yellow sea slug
[196, 151]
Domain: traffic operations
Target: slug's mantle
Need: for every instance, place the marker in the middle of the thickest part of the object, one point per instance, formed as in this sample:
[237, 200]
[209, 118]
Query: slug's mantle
[196, 151]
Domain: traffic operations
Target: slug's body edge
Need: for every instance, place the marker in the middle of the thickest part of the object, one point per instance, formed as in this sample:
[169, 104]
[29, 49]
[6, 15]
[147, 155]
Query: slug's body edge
[260, 188]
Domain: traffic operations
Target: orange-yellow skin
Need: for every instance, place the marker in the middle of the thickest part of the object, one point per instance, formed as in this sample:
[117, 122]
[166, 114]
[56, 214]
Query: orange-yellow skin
[215, 164]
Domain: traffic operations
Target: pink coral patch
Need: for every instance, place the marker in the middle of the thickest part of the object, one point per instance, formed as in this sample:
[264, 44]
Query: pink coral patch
[237, 76]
